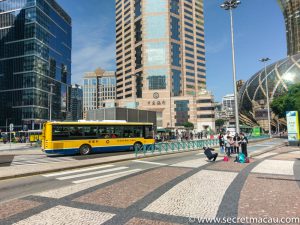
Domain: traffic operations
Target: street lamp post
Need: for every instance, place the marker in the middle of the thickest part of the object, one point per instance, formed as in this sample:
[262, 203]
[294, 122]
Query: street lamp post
[230, 5]
[50, 101]
[265, 60]
[136, 75]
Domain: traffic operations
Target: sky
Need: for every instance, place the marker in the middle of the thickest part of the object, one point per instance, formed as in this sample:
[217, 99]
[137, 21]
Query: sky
[258, 27]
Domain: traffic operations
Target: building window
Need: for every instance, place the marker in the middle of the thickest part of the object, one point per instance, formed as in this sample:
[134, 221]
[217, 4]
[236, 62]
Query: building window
[176, 55]
[175, 28]
[156, 27]
[157, 82]
[176, 77]
[175, 6]
[182, 112]
[156, 53]
[153, 6]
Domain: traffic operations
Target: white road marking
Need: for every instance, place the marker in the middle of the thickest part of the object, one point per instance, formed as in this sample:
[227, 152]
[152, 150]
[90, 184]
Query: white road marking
[108, 175]
[77, 171]
[91, 173]
[148, 162]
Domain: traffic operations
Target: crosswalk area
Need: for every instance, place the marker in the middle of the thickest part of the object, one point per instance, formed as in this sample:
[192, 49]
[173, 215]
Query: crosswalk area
[33, 160]
[83, 175]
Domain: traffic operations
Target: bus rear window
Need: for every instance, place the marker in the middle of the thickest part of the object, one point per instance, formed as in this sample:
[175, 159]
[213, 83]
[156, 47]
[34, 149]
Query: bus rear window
[148, 132]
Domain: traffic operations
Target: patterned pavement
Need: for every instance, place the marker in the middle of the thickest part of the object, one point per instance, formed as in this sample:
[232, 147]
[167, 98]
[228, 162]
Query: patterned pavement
[269, 186]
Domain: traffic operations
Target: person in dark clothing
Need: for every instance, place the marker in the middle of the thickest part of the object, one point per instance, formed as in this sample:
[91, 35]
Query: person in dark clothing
[237, 141]
[221, 143]
[209, 154]
[244, 143]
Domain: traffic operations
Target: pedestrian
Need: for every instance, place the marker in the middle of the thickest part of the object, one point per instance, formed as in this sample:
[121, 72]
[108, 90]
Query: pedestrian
[244, 143]
[229, 145]
[209, 154]
[201, 135]
[221, 143]
[237, 142]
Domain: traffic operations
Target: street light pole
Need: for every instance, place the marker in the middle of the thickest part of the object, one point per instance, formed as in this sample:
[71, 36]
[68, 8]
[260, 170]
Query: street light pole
[265, 60]
[230, 5]
[135, 94]
[50, 102]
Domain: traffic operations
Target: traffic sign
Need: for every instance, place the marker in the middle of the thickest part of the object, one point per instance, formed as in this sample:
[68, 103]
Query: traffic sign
[11, 127]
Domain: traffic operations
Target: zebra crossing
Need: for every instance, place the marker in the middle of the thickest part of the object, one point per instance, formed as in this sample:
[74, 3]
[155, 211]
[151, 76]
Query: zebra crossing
[83, 175]
[33, 160]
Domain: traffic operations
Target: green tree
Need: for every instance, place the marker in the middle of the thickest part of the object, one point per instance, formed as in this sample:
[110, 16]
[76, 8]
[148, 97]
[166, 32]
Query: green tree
[188, 125]
[220, 123]
[290, 101]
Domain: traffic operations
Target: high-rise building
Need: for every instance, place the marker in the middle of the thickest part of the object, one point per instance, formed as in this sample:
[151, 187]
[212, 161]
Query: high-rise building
[228, 104]
[161, 57]
[291, 13]
[35, 58]
[76, 102]
[99, 90]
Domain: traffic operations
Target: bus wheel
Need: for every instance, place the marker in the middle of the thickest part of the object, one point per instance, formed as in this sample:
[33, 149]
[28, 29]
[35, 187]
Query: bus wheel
[138, 146]
[85, 150]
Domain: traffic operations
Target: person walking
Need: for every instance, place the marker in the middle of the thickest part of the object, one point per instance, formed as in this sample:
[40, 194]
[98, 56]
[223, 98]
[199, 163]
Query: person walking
[237, 141]
[244, 143]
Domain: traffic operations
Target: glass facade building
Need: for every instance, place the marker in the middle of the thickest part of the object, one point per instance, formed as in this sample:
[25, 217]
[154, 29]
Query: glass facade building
[280, 76]
[35, 51]
[76, 102]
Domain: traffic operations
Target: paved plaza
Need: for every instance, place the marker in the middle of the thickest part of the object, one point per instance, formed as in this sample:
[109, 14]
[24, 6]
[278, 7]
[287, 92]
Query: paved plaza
[164, 190]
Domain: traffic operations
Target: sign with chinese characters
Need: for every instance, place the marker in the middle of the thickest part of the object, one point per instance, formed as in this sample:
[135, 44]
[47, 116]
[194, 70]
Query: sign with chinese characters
[156, 102]
[292, 125]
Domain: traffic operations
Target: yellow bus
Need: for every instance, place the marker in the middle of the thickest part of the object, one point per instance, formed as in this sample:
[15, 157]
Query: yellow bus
[69, 138]
[31, 135]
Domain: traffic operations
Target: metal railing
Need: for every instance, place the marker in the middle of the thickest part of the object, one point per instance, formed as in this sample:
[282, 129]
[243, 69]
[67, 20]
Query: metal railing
[181, 146]
[176, 146]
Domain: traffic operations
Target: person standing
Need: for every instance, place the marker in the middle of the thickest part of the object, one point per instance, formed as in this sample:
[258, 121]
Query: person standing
[221, 143]
[229, 145]
[237, 140]
[244, 143]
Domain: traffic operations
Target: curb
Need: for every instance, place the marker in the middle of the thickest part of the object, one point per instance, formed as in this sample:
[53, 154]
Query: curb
[101, 163]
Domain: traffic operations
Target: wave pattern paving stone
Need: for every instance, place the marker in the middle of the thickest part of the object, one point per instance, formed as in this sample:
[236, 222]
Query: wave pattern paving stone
[195, 163]
[61, 215]
[279, 167]
[14, 207]
[195, 195]
[65, 191]
[270, 196]
[126, 192]
[138, 221]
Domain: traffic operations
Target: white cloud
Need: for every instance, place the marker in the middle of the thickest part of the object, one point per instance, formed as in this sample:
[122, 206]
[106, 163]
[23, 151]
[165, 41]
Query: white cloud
[92, 47]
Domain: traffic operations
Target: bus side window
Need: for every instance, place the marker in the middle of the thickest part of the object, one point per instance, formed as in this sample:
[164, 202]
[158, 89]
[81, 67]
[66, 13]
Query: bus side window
[128, 132]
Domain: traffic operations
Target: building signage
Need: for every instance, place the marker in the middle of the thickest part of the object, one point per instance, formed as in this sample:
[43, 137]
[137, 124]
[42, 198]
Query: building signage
[156, 102]
[292, 125]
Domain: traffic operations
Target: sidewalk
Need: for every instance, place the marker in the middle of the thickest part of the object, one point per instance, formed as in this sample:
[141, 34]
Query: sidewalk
[35, 169]
[16, 146]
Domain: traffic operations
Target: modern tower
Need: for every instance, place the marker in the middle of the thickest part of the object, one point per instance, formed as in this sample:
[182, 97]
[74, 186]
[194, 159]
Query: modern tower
[35, 62]
[76, 102]
[161, 57]
[99, 90]
[291, 13]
